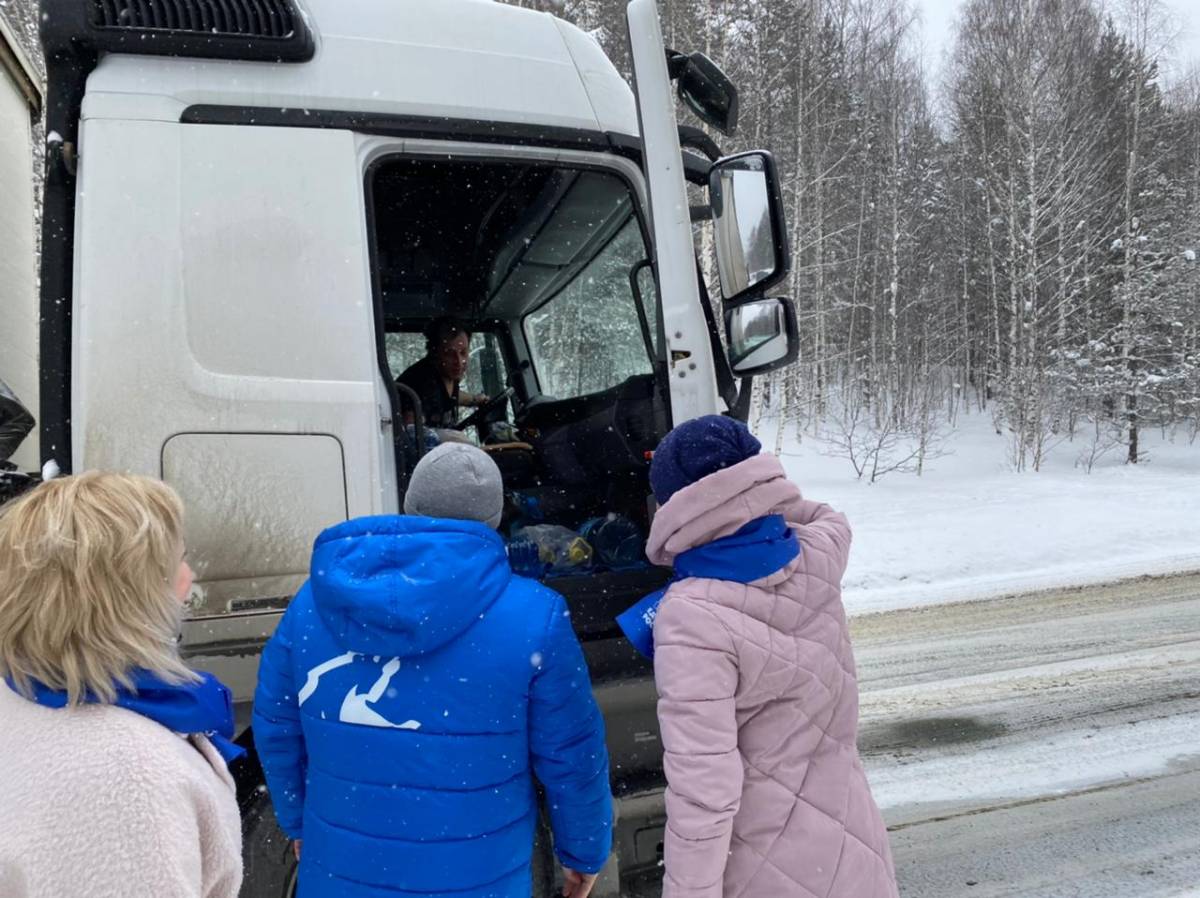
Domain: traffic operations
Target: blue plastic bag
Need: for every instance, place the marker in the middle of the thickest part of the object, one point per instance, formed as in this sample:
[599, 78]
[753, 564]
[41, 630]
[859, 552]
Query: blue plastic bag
[617, 541]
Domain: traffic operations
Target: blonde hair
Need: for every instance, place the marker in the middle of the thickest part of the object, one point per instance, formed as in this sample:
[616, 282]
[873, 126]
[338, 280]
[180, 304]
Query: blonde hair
[87, 573]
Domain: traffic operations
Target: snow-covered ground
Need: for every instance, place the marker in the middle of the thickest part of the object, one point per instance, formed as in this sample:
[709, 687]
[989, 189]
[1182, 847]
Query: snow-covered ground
[1050, 766]
[980, 705]
[1038, 745]
[970, 527]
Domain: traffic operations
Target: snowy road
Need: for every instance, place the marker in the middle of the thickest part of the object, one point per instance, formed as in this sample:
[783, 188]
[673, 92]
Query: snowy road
[1042, 745]
[1135, 839]
[1039, 746]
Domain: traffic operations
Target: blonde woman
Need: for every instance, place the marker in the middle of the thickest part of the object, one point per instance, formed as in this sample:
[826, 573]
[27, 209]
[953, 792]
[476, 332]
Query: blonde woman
[113, 779]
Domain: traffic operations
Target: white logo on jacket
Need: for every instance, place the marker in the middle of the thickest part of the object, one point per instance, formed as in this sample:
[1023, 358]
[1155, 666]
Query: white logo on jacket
[356, 707]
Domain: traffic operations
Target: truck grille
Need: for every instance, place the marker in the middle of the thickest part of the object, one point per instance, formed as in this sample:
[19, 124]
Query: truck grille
[240, 18]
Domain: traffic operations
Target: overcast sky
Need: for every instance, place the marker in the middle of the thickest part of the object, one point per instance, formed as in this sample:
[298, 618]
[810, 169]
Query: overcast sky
[940, 15]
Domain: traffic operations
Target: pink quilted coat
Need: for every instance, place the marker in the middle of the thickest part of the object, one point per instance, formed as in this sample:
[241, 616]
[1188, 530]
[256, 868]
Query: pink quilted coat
[758, 707]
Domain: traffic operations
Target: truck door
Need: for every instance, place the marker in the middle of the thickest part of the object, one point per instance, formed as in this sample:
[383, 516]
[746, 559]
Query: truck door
[693, 376]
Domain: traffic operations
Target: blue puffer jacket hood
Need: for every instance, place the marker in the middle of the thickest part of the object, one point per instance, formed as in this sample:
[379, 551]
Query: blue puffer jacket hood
[405, 586]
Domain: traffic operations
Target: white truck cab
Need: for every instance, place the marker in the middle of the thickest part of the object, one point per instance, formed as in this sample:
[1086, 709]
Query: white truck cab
[253, 209]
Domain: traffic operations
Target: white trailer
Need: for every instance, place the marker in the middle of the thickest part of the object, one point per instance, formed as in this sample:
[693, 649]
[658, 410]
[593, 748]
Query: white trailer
[251, 210]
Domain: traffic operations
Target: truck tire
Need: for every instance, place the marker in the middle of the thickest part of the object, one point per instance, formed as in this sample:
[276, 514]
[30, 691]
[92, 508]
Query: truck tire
[270, 866]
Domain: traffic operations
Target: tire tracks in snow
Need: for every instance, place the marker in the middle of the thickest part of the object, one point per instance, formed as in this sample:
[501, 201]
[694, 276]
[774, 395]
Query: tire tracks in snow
[1042, 745]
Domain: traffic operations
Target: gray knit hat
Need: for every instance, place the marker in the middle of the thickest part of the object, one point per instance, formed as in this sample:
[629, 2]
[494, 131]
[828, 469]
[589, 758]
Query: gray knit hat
[456, 481]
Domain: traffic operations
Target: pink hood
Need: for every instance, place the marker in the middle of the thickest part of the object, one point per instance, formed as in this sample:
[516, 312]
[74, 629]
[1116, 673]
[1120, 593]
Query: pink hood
[758, 707]
[719, 505]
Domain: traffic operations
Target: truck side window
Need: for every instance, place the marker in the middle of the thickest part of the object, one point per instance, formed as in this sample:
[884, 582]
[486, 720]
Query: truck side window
[588, 337]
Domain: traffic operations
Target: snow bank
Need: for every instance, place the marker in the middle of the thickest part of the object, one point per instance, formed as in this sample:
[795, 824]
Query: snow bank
[971, 528]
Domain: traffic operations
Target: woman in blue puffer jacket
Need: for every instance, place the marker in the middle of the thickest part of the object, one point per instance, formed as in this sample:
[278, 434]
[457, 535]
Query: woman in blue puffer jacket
[411, 692]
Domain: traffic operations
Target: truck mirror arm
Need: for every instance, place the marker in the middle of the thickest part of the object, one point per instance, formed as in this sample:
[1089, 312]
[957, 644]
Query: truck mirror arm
[741, 408]
[725, 381]
[696, 139]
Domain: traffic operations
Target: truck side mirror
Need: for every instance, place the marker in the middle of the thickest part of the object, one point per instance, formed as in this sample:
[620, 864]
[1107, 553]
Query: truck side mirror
[705, 89]
[762, 336]
[747, 213]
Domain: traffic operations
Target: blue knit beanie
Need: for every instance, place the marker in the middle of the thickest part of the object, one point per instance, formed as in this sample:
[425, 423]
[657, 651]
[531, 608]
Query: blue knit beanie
[696, 449]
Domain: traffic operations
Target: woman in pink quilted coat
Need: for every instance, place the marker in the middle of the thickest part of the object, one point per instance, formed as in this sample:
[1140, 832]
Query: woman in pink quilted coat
[758, 702]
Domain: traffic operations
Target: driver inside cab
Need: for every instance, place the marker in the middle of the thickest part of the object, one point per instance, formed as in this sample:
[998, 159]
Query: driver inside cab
[435, 378]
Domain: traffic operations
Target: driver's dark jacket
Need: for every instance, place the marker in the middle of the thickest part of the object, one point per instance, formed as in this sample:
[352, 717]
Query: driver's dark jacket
[438, 408]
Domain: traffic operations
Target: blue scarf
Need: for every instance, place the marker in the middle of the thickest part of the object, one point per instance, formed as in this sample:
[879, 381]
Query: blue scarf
[205, 707]
[759, 549]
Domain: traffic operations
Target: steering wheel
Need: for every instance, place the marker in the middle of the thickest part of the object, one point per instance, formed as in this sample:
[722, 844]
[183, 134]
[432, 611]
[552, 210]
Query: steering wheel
[480, 414]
